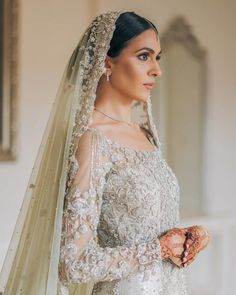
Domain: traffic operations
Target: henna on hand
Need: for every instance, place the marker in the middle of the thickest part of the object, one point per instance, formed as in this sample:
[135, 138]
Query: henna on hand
[172, 243]
[181, 246]
[197, 238]
[165, 251]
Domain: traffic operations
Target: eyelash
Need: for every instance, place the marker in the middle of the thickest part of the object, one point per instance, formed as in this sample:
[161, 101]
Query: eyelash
[147, 54]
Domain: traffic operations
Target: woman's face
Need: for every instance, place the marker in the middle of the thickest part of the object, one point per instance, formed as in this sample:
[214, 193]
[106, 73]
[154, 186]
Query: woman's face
[136, 65]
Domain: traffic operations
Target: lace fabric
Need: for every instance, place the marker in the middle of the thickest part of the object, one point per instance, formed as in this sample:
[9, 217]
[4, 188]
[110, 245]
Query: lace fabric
[82, 258]
[114, 215]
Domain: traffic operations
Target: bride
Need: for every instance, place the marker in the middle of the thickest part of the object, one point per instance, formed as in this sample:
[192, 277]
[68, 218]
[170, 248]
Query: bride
[101, 211]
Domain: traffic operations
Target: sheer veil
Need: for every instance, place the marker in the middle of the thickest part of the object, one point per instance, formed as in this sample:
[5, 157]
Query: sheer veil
[31, 263]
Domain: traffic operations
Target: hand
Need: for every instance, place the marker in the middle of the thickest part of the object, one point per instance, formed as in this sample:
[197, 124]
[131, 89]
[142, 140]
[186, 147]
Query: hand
[172, 245]
[197, 239]
[181, 246]
[188, 255]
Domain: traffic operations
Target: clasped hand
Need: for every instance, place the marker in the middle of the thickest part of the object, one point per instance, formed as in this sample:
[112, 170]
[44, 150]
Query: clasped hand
[182, 245]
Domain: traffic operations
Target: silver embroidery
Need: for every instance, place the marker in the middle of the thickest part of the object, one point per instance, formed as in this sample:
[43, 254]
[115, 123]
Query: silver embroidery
[111, 229]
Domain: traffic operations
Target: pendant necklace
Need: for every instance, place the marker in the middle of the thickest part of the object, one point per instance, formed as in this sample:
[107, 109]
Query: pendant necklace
[129, 123]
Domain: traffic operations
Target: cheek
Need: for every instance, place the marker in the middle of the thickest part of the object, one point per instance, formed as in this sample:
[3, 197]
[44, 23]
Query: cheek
[134, 71]
[129, 78]
[130, 74]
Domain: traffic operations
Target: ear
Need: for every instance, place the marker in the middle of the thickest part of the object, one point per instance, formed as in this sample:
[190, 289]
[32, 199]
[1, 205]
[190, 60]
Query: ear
[109, 63]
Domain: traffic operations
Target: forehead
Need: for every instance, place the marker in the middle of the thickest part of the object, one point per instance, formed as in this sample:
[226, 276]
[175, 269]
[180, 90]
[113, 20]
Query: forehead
[147, 38]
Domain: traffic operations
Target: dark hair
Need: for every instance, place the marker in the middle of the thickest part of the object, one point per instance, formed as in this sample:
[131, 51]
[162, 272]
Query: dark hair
[128, 26]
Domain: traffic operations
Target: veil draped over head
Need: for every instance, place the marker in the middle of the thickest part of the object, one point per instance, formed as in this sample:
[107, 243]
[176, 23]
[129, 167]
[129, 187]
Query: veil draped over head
[31, 263]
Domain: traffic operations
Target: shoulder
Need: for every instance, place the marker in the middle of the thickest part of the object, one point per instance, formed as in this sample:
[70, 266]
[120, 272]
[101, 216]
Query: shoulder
[92, 138]
[103, 127]
[85, 143]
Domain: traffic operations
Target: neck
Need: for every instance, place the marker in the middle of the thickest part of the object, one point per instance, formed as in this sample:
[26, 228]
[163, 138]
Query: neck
[114, 104]
[119, 112]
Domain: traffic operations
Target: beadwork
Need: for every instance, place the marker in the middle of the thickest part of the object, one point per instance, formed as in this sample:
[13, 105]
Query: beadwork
[124, 210]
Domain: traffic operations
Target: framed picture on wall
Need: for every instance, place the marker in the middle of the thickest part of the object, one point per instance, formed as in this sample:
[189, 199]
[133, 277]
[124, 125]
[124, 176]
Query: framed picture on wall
[8, 78]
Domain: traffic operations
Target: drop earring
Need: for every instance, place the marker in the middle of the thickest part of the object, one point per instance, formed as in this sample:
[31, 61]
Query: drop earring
[107, 76]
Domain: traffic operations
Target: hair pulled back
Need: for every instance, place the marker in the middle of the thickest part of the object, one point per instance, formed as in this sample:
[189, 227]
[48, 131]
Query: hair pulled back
[128, 25]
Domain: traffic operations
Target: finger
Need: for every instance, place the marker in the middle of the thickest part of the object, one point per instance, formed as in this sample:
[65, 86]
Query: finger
[188, 257]
[176, 261]
[191, 252]
[194, 227]
[201, 239]
[188, 243]
[179, 264]
[205, 239]
[189, 261]
[184, 230]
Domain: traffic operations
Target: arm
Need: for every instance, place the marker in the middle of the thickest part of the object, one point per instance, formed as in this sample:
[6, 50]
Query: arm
[82, 259]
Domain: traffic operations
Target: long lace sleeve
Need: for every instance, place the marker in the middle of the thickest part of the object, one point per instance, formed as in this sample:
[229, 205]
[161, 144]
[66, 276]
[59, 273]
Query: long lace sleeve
[82, 259]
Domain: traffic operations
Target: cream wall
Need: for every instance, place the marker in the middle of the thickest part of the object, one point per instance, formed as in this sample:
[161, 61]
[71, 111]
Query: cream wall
[213, 23]
[48, 33]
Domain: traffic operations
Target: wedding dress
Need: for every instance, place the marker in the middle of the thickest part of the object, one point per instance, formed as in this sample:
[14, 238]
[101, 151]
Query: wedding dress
[122, 201]
[94, 209]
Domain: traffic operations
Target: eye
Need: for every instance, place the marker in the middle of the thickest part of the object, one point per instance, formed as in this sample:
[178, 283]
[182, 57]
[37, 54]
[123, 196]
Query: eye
[143, 54]
[146, 55]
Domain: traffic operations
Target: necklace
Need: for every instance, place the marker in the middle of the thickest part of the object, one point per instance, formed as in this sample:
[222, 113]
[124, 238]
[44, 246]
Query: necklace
[129, 123]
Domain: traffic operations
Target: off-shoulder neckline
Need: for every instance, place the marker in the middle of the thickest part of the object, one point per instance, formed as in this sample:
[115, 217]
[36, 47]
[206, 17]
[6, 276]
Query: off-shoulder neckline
[120, 145]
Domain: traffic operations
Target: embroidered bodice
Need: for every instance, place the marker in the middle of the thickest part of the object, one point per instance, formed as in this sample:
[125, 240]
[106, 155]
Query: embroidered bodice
[122, 200]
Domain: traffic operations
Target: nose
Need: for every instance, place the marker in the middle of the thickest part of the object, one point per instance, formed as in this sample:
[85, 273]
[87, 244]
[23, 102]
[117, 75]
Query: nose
[156, 70]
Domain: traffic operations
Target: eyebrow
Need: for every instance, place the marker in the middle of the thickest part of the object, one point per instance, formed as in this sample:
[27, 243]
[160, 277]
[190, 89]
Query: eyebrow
[148, 49]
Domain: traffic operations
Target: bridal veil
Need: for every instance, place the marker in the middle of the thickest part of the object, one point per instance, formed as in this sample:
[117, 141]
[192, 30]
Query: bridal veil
[31, 263]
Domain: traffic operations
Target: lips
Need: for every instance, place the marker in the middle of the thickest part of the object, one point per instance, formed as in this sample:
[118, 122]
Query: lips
[149, 86]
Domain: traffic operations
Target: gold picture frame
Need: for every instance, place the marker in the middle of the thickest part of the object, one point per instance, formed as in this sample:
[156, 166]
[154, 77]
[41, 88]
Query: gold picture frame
[8, 78]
